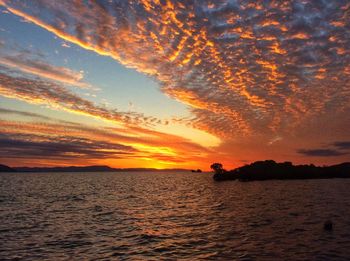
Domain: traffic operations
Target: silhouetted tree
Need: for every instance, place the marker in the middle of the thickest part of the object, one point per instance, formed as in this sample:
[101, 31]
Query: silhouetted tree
[269, 169]
[217, 167]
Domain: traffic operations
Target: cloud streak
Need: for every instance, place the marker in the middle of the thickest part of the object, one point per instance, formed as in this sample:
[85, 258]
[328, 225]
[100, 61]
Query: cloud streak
[342, 145]
[53, 142]
[42, 69]
[63, 148]
[321, 152]
[337, 148]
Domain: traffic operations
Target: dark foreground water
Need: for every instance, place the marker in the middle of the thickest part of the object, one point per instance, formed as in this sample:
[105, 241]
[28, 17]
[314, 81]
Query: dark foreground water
[155, 216]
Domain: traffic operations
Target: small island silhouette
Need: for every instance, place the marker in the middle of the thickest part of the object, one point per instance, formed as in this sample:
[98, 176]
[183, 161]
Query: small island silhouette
[269, 169]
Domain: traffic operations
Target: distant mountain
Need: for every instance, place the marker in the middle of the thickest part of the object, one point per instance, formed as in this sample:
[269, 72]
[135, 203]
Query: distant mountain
[4, 168]
[64, 169]
[96, 168]
[269, 169]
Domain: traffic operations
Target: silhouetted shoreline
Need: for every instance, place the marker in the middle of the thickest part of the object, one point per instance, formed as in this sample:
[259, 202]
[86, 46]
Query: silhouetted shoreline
[271, 170]
[4, 168]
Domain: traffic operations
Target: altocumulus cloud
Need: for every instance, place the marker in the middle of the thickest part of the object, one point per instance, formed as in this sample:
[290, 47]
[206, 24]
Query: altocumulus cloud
[243, 67]
[54, 95]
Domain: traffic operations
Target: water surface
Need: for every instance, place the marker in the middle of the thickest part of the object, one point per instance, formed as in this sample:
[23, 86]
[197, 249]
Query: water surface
[154, 216]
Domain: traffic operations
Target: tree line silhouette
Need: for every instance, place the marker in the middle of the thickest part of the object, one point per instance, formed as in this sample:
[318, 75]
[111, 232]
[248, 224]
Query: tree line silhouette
[269, 169]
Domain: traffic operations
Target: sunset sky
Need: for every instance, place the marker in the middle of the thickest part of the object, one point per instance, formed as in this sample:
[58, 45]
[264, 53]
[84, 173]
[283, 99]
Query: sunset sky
[174, 84]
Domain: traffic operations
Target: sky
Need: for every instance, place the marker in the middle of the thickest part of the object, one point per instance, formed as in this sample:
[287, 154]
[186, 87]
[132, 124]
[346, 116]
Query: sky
[174, 84]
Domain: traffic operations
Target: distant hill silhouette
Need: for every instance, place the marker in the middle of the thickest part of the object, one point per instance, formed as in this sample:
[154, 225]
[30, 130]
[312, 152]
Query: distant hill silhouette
[97, 168]
[4, 168]
[269, 169]
[64, 169]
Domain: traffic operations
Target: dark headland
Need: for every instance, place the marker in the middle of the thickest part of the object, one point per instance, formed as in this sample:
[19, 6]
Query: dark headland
[269, 170]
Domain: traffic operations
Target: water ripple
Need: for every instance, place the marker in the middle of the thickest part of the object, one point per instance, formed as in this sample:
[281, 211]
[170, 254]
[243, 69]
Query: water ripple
[170, 216]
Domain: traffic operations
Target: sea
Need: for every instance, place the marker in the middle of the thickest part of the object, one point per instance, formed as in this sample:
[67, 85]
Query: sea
[170, 216]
